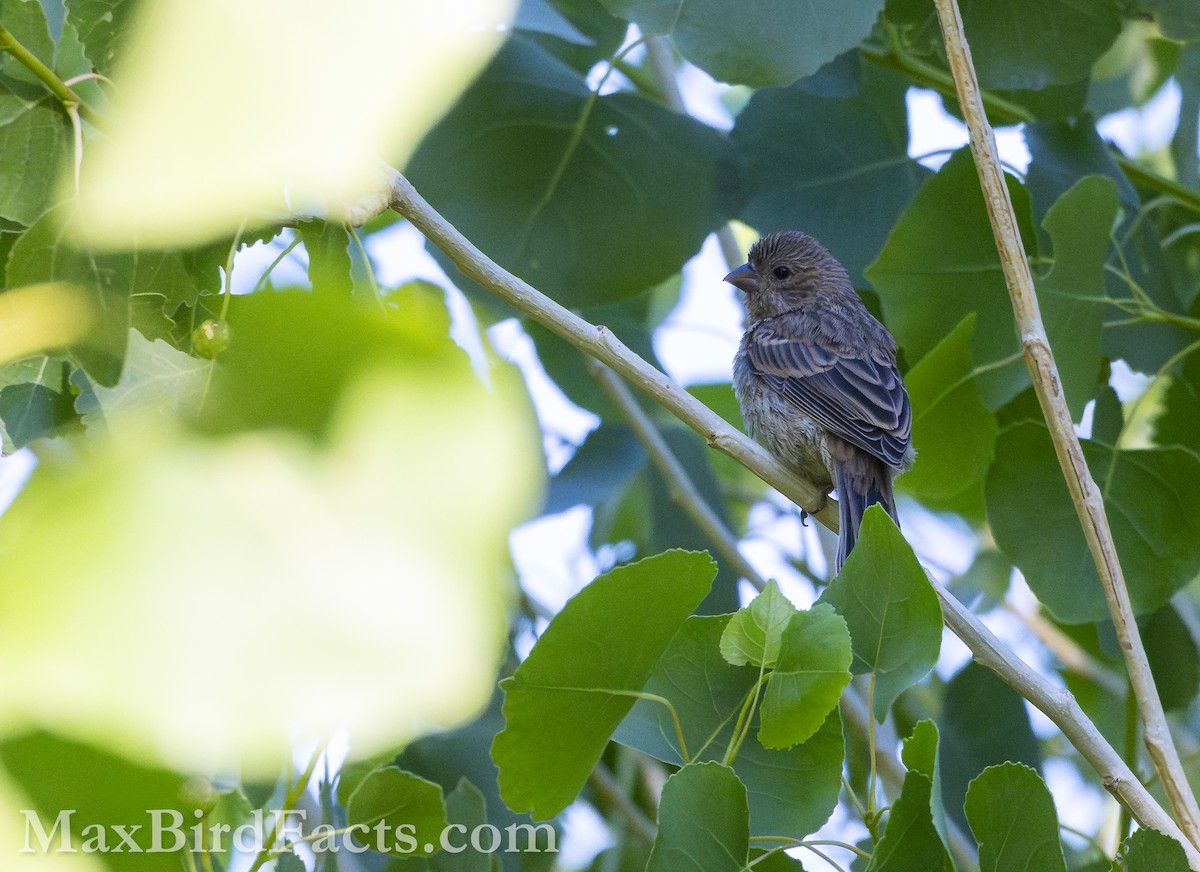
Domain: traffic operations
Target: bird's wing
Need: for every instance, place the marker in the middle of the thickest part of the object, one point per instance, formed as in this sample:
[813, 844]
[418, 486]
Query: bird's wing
[860, 398]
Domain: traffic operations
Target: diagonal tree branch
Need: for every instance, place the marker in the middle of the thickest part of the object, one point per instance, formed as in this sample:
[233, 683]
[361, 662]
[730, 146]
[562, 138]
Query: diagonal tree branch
[1089, 502]
[598, 342]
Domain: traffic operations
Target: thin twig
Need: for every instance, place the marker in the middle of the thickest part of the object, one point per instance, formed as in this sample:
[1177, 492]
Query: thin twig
[1086, 495]
[599, 342]
[1069, 652]
[604, 784]
[679, 484]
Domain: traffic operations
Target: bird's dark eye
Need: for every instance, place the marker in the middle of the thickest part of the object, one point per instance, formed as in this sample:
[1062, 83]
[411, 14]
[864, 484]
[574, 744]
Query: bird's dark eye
[781, 272]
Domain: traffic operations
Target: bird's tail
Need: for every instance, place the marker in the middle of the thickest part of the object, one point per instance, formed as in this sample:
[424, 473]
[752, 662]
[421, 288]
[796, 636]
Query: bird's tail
[857, 489]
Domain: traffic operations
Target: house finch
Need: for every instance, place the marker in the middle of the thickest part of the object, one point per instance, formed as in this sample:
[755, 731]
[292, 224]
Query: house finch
[816, 377]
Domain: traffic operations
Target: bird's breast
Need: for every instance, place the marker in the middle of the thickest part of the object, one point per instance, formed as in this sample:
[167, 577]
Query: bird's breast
[791, 436]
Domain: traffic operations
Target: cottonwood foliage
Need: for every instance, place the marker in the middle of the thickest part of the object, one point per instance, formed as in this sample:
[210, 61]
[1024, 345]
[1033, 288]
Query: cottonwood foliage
[708, 736]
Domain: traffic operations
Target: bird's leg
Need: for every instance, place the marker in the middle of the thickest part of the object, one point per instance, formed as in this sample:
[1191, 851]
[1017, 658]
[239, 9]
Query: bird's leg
[821, 503]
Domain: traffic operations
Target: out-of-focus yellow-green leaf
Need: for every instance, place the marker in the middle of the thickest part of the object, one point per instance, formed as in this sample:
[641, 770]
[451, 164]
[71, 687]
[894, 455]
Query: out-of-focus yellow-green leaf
[16, 836]
[189, 600]
[226, 108]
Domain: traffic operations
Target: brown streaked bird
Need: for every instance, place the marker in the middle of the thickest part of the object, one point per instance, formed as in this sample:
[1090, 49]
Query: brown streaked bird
[816, 377]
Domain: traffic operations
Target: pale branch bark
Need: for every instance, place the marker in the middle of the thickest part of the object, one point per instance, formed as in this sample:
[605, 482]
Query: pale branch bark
[1088, 500]
[598, 342]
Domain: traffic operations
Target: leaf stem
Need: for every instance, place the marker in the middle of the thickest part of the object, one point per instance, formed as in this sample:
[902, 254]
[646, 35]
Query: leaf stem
[68, 98]
[291, 798]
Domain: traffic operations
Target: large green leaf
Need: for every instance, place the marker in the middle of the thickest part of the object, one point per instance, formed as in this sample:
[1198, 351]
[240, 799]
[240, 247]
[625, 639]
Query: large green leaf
[920, 754]
[792, 792]
[808, 679]
[588, 198]
[910, 840]
[893, 614]
[1150, 851]
[102, 26]
[984, 722]
[1152, 498]
[397, 812]
[829, 156]
[1061, 155]
[1178, 19]
[98, 791]
[1029, 45]
[703, 822]
[1079, 223]
[563, 703]
[940, 264]
[953, 432]
[767, 42]
[1012, 799]
[126, 290]
[373, 509]
[35, 132]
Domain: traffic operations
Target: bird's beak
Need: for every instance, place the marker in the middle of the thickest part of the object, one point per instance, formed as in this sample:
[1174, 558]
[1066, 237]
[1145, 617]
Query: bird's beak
[743, 278]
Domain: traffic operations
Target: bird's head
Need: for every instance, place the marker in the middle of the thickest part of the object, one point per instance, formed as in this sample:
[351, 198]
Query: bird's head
[785, 268]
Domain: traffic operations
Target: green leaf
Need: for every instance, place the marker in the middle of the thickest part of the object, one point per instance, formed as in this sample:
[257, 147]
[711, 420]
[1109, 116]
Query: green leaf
[813, 669]
[1079, 223]
[157, 380]
[26, 21]
[397, 812]
[598, 471]
[1064, 153]
[31, 410]
[829, 155]
[117, 285]
[564, 701]
[929, 279]
[102, 26]
[466, 807]
[984, 722]
[1151, 497]
[754, 633]
[1008, 799]
[1178, 19]
[953, 431]
[791, 793]
[32, 125]
[920, 755]
[1150, 851]
[910, 840]
[104, 790]
[893, 614]
[1032, 44]
[289, 862]
[373, 507]
[590, 199]
[703, 822]
[1171, 651]
[774, 42]
[327, 244]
